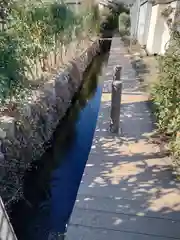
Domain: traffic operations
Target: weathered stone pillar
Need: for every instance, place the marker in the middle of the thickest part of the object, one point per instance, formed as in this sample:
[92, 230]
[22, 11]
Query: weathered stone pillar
[116, 100]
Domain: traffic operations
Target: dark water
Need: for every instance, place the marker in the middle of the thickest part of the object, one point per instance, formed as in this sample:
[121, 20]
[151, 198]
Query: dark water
[51, 184]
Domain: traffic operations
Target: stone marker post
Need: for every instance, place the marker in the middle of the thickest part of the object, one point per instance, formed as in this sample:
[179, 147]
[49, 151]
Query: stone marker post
[116, 100]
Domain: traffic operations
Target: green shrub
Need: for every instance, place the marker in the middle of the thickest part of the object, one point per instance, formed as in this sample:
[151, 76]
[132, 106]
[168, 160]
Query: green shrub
[166, 95]
[33, 31]
[124, 23]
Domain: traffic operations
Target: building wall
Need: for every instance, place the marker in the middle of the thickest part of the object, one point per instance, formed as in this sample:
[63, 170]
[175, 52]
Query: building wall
[159, 29]
[150, 38]
[159, 34]
[165, 39]
[166, 32]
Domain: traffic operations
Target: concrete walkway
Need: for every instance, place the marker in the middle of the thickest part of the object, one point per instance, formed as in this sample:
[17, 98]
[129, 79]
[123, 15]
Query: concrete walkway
[127, 191]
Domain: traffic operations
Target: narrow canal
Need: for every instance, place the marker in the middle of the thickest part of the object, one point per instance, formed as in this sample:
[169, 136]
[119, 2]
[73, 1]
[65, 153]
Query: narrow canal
[51, 184]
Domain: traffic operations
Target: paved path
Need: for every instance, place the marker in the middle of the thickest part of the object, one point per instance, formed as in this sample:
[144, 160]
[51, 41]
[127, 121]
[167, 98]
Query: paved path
[127, 191]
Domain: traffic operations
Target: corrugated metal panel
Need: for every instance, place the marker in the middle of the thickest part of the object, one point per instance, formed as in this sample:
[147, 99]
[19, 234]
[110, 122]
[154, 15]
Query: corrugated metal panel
[142, 21]
[147, 22]
[6, 230]
[135, 18]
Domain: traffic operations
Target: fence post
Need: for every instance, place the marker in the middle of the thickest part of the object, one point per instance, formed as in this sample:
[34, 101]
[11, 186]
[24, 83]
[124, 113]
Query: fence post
[6, 229]
[116, 100]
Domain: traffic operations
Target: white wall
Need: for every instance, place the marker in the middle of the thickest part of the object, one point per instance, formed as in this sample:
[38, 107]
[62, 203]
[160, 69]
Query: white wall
[159, 29]
[166, 32]
[152, 27]
[159, 34]
[165, 39]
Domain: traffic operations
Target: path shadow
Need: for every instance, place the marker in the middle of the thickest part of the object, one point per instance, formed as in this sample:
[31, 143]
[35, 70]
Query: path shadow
[128, 184]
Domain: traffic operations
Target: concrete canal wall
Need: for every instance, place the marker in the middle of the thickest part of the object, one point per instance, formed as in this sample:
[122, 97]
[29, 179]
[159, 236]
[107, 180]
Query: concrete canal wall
[23, 136]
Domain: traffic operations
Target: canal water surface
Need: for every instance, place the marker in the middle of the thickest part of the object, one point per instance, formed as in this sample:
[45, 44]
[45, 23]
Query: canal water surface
[51, 184]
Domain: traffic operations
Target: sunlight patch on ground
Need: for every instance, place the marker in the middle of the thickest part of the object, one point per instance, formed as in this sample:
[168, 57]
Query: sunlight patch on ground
[130, 98]
[168, 201]
[106, 97]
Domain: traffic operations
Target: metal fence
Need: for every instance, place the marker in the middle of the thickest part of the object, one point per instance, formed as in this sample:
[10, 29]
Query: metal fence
[6, 229]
